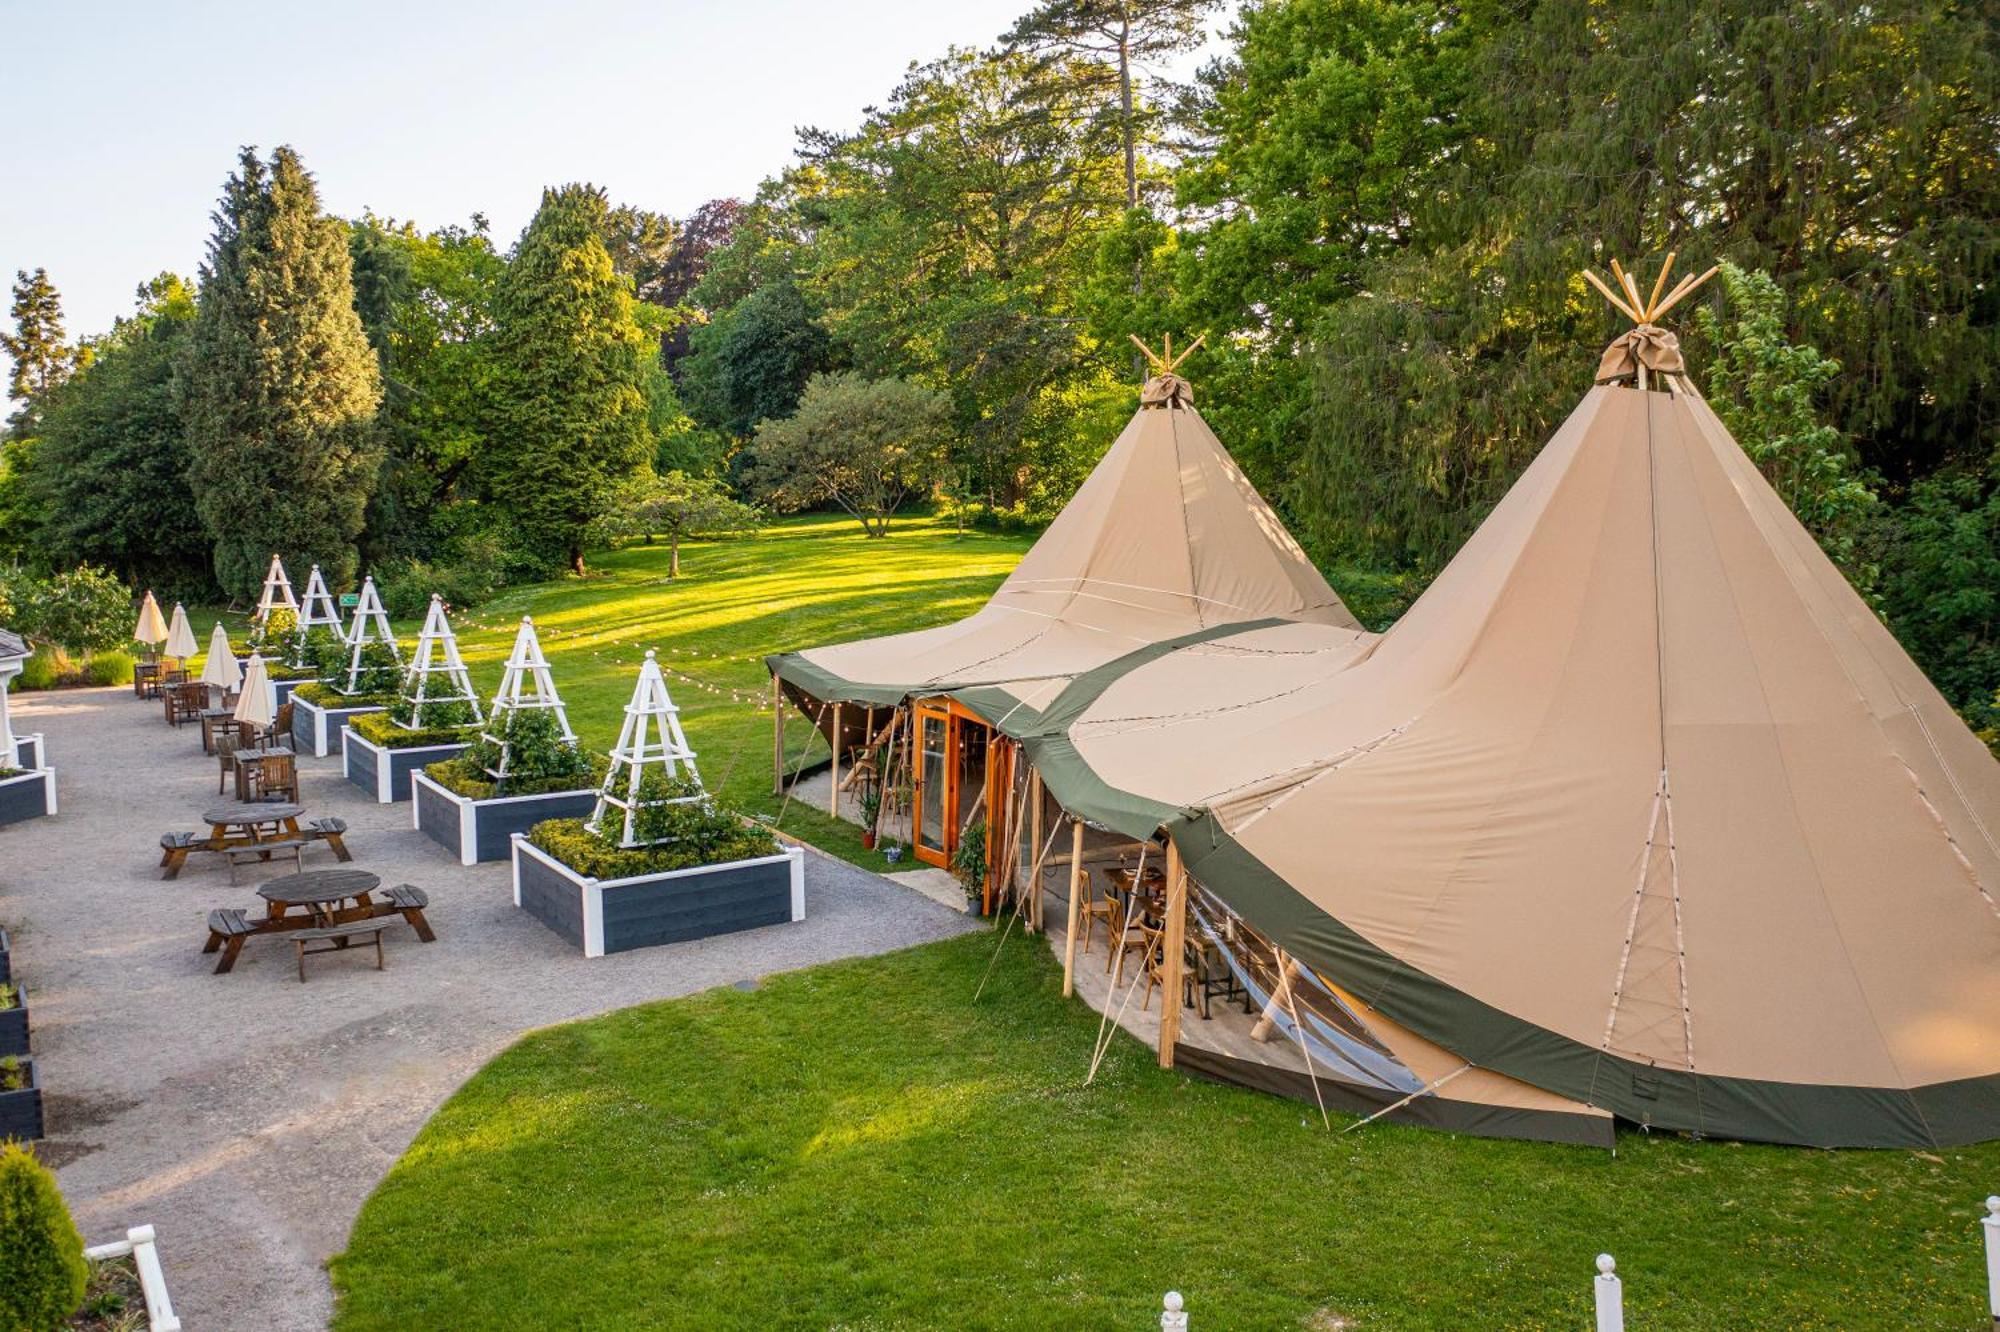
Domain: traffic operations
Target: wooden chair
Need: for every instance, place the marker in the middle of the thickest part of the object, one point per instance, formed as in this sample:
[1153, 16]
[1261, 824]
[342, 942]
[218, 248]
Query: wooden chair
[184, 702]
[228, 739]
[1091, 909]
[272, 777]
[281, 723]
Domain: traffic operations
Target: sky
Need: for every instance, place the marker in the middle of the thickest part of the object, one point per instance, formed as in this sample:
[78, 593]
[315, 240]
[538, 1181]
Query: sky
[126, 117]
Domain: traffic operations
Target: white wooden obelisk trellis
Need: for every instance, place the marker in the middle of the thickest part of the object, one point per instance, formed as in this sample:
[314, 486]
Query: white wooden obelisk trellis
[527, 686]
[370, 625]
[651, 735]
[437, 673]
[277, 594]
[317, 611]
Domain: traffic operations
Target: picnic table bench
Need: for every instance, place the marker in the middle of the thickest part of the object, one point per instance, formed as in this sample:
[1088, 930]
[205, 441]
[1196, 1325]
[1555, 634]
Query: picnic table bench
[251, 824]
[317, 900]
[336, 938]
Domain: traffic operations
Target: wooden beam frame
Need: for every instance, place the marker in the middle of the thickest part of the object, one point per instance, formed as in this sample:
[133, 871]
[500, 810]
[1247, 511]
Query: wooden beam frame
[777, 736]
[833, 787]
[1173, 945]
[1076, 882]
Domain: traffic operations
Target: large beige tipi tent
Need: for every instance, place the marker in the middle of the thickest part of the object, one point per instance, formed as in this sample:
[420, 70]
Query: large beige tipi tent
[1638, 804]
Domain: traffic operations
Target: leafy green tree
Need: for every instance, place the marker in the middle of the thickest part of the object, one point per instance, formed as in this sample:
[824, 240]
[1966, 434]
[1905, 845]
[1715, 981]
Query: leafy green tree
[752, 362]
[1786, 139]
[568, 413]
[42, 1269]
[108, 474]
[1766, 391]
[641, 245]
[677, 506]
[1124, 35]
[42, 360]
[279, 385]
[1940, 583]
[426, 301]
[868, 446]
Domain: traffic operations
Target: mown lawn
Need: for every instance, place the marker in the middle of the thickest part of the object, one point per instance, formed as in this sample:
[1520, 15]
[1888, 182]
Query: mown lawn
[860, 1145]
[799, 582]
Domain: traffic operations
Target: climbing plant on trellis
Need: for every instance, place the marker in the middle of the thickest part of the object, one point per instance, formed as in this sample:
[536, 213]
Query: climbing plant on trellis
[437, 689]
[317, 612]
[527, 685]
[277, 594]
[371, 646]
[651, 738]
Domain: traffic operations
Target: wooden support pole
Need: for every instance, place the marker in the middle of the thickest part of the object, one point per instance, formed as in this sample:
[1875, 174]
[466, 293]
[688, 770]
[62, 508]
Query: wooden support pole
[1173, 944]
[833, 787]
[777, 736]
[1034, 913]
[1076, 882]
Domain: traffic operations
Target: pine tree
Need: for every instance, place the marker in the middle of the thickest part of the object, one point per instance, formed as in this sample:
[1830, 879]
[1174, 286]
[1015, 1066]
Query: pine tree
[42, 1269]
[41, 359]
[569, 417]
[280, 387]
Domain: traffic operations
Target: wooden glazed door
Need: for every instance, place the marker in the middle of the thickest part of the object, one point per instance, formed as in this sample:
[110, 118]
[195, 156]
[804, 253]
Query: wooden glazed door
[930, 803]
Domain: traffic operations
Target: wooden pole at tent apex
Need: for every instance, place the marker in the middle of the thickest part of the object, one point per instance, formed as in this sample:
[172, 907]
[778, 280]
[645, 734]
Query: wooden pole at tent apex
[777, 736]
[1163, 361]
[1075, 905]
[1626, 300]
[1173, 947]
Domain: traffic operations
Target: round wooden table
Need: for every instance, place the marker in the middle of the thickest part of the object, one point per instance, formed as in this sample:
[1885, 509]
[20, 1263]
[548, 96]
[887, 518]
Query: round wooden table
[320, 892]
[251, 815]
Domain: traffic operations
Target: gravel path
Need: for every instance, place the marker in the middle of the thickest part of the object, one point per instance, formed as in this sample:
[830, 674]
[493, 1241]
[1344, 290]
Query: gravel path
[248, 1116]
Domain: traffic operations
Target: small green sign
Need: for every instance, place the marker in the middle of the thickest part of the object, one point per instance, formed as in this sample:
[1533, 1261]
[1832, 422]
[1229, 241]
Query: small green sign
[349, 600]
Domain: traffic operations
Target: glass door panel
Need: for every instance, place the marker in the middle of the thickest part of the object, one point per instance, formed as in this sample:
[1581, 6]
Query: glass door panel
[933, 768]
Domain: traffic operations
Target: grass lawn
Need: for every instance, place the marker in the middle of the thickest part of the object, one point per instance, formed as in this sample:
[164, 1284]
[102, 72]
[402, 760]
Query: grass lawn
[859, 1145]
[798, 583]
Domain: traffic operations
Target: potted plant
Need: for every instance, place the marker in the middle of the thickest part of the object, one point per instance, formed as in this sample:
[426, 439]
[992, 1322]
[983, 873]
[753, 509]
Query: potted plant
[969, 862]
[20, 1099]
[435, 717]
[13, 1018]
[525, 767]
[659, 860]
[871, 806]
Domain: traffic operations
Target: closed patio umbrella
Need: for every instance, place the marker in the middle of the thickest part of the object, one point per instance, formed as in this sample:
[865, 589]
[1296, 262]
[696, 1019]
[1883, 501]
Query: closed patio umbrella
[221, 670]
[152, 627]
[180, 636]
[258, 705]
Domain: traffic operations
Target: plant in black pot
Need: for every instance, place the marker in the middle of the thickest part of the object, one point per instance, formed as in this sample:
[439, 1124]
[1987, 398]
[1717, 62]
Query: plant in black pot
[871, 806]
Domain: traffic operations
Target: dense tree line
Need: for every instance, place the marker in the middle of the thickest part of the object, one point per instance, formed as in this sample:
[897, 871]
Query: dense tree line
[1376, 209]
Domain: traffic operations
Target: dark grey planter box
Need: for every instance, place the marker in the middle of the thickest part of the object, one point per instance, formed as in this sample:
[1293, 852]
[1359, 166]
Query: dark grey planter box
[28, 795]
[6, 958]
[317, 730]
[30, 751]
[481, 830]
[21, 1111]
[14, 1024]
[613, 915]
[385, 773]
[284, 688]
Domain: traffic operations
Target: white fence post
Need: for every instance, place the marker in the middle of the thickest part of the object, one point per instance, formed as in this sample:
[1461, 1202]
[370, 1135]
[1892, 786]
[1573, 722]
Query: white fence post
[1610, 1296]
[1990, 1223]
[1173, 1319]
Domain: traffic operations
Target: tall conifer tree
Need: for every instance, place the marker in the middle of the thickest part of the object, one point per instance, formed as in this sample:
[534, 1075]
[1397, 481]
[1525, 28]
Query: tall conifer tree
[568, 422]
[280, 387]
[42, 360]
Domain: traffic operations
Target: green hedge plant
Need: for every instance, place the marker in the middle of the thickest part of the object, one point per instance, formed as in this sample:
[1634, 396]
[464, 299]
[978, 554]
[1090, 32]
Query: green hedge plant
[42, 1269]
[382, 728]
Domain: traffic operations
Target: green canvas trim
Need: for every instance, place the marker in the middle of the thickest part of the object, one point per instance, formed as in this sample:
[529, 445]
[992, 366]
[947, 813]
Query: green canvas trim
[1946, 1114]
[827, 687]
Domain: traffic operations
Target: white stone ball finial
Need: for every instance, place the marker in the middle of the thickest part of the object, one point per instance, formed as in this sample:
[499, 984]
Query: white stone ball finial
[649, 654]
[1173, 1301]
[1606, 1264]
[1993, 1205]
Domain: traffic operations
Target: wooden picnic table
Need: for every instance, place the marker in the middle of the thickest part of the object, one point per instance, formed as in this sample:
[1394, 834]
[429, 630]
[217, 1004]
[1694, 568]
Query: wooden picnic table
[252, 760]
[316, 900]
[253, 818]
[212, 721]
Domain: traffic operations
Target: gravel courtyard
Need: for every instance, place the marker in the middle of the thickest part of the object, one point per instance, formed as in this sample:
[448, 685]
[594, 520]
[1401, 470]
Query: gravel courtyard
[247, 1116]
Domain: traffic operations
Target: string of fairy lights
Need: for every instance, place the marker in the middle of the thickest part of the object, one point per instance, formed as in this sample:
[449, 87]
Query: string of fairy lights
[597, 643]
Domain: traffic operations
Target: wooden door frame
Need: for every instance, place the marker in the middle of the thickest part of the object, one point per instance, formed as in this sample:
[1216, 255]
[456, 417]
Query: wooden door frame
[956, 717]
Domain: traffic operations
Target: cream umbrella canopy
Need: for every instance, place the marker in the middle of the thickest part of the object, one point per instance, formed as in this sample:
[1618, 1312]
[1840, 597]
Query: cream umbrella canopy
[258, 705]
[221, 670]
[180, 636]
[152, 627]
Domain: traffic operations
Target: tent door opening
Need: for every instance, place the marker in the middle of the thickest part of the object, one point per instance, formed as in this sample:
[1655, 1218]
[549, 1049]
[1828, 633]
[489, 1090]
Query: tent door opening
[949, 778]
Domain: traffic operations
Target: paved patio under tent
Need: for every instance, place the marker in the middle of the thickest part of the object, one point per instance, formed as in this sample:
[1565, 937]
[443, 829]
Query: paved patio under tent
[247, 1116]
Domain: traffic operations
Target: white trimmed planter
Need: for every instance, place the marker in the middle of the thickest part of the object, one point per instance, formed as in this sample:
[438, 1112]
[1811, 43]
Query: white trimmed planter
[30, 751]
[27, 795]
[138, 1245]
[480, 830]
[383, 772]
[614, 915]
[316, 730]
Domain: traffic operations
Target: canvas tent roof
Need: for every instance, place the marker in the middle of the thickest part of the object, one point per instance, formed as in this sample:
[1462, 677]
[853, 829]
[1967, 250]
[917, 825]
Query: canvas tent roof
[1165, 538]
[1639, 804]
